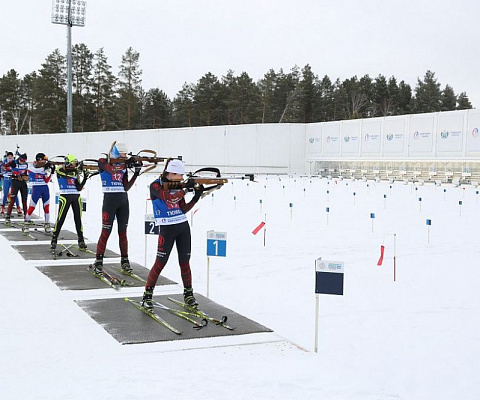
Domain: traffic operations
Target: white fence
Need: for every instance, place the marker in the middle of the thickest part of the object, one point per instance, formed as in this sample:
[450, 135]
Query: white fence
[418, 145]
[267, 148]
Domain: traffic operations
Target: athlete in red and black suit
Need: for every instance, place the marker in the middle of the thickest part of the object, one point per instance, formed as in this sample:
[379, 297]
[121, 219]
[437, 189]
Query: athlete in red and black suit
[115, 184]
[169, 208]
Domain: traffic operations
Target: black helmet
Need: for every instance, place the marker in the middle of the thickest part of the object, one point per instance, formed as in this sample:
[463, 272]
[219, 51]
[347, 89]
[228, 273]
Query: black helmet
[40, 156]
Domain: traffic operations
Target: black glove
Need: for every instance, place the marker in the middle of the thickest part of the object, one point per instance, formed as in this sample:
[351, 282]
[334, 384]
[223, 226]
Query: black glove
[129, 162]
[198, 192]
[189, 185]
[199, 189]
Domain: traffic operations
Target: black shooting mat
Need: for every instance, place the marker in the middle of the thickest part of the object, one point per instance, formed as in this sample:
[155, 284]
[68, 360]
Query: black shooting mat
[42, 252]
[129, 325]
[16, 235]
[77, 277]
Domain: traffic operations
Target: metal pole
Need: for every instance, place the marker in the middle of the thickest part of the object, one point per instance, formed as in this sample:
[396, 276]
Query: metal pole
[69, 69]
[316, 321]
[208, 277]
[146, 237]
[394, 257]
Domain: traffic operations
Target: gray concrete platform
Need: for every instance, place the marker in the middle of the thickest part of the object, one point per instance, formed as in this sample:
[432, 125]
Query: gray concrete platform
[42, 252]
[16, 235]
[128, 325]
[76, 277]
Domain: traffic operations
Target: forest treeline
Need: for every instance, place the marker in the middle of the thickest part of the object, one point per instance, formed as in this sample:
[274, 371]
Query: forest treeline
[103, 101]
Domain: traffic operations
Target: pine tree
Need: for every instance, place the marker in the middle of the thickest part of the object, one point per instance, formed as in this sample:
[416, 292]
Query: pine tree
[267, 87]
[325, 101]
[11, 101]
[341, 105]
[103, 93]
[242, 99]
[128, 105]
[50, 95]
[463, 103]
[404, 99]
[428, 94]
[383, 102]
[83, 107]
[183, 107]
[208, 101]
[357, 99]
[448, 99]
[308, 93]
[287, 96]
[159, 110]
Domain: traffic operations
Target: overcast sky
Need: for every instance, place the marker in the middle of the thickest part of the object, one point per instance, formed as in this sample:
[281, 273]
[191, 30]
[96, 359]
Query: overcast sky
[180, 41]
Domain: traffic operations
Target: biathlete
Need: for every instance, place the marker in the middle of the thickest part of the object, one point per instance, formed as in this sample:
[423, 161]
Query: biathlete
[169, 209]
[115, 185]
[6, 170]
[70, 185]
[39, 175]
[19, 169]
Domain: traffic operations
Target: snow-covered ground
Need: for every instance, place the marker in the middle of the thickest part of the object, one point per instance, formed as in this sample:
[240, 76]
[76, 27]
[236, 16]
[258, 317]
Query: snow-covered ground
[415, 338]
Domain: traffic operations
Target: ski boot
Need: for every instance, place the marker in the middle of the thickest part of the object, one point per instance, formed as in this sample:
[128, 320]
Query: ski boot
[81, 243]
[19, 211]
[48, 228]
[24, 228]
[98, 265]
[8, 222]
[189, 298]
[29, 222]
[53, 243]
[147, 298]
[125, 265]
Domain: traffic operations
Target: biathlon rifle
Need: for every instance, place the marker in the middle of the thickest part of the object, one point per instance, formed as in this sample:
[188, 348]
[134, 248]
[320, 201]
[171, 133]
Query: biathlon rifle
[144, 158]
[194, 182]
[84, 166]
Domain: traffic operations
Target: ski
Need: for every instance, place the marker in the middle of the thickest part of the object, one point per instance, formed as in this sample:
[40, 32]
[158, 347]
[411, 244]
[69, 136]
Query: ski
[182, 314]
[151, 314]
[76, 247]
[23, 228]
[131, 275]
[28, 234]
[36, 230]
[68, 252]
[203, 314]
[102, 277]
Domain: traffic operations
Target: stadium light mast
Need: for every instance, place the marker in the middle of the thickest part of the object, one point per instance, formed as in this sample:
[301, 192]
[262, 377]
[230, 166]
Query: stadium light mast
[70, 13]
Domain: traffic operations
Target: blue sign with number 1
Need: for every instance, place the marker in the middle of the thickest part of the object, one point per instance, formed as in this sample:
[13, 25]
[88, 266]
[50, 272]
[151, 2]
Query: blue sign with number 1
[216, 244]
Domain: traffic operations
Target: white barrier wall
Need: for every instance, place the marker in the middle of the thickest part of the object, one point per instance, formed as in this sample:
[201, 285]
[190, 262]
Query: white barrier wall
[283, 148]
[266, 148]
[453, 135]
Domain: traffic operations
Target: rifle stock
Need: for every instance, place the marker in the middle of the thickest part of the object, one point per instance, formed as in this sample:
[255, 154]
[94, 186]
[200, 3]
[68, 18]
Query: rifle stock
[190, 182]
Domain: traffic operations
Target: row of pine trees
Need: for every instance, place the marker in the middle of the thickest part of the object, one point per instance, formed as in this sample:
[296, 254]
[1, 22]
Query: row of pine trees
[103, 101]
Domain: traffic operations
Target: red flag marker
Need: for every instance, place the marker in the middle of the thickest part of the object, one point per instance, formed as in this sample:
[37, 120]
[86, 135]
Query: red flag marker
[257, 229]
[382, 251]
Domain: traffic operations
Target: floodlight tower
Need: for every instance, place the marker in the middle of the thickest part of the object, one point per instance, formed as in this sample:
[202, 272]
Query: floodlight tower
[70, 13]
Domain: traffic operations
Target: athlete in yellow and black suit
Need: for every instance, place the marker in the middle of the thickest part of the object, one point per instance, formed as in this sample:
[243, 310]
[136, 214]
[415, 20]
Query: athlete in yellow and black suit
[70, 184]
